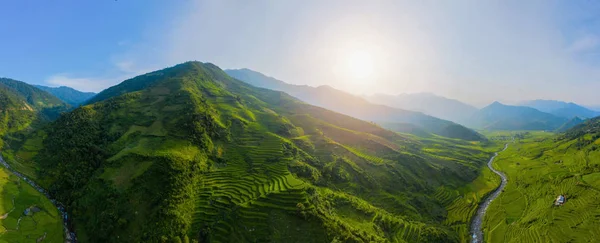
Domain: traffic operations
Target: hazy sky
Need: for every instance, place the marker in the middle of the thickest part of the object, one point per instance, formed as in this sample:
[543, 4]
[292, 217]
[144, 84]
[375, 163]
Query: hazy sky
[475, 51]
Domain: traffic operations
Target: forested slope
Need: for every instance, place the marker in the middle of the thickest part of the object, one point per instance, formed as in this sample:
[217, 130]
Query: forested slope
[190, 153]
[23, 106]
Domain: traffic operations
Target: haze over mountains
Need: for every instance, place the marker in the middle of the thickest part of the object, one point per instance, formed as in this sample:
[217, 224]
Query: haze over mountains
[498, 116]
[340, 101]
[495, 116]
[561, 108]
[427, 103]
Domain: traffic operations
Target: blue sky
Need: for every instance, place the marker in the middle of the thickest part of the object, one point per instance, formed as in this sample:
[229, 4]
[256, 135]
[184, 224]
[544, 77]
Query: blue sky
[475, 51]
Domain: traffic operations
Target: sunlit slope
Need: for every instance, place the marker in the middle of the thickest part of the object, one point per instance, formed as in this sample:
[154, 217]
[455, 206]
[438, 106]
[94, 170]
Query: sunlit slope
[42, 224]
[540, 168]
[23, 106]
[190, 153]
[339, 101]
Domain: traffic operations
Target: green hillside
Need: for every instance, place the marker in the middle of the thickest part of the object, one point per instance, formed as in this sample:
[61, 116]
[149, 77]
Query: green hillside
[569, 124]
[189, 153]
[339, 101]
[24, 107]
[541, 167]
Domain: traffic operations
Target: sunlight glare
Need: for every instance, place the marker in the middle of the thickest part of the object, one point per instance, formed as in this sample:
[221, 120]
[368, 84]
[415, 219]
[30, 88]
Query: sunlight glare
[359, 64]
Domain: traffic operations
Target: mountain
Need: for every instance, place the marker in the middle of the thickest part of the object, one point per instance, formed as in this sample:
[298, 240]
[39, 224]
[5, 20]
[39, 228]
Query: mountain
[561, 108]
[593, 107]
[569, 124]
[427, 103]
[69, 95]
[188, 153]
[23, 106]
[345, 103]
[497, 116]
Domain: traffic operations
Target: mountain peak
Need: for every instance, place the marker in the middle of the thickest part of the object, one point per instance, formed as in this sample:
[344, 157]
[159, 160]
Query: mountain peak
[561, 108]
[498, 116]
[496, 104]
[325, 86]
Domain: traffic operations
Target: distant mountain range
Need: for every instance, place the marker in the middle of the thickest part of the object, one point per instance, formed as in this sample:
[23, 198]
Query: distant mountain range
[69, 95]
[593, 107]
[497, 116]
[340, 101]
[430, 104]
[561, 108]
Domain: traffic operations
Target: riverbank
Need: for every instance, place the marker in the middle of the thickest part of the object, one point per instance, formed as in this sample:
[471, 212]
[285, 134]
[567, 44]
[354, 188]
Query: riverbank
[70, 236]
[476, 231]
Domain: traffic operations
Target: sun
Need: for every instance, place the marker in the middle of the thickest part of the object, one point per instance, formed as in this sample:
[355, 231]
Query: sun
[359, 65]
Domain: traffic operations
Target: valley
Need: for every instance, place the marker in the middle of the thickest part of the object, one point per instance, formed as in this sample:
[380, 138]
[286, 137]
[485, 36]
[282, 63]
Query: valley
[338, 121]
[212, 159]
[476, 231]
[540, 167]
[26, 213]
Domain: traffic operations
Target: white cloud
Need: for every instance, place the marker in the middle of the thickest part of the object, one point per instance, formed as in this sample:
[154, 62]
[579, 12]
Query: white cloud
[477, 51]
[586, 43]
[121, 71]
[86, 84]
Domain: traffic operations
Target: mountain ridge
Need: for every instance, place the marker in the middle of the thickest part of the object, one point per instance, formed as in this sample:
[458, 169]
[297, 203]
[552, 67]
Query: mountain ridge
[67, 94]
[498, 116]
[206, 157]
[428, 103]
[560, 108]
[23, 106]
[339, 101]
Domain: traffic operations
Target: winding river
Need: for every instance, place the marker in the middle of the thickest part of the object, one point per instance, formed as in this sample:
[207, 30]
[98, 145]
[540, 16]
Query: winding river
[476, 231]
[70, 236]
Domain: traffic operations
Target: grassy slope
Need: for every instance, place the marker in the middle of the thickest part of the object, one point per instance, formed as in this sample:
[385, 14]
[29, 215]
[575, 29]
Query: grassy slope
[207, 157]
[16, 196]
[539, 168]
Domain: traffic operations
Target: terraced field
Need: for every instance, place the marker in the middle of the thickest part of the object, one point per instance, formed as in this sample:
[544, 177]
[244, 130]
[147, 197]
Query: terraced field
[461, 203]
[43, 224]
[539, 168]
[239, 198]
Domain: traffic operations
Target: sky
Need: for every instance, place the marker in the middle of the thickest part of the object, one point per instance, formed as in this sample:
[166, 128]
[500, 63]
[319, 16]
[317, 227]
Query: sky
[474, 51]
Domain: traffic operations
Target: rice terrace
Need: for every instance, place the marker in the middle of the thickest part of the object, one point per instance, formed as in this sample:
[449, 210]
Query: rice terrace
[204, 121]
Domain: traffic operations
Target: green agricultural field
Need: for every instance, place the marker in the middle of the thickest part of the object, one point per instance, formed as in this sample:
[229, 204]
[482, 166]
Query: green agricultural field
[16, 196]
[541, 166]
[461, 202]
